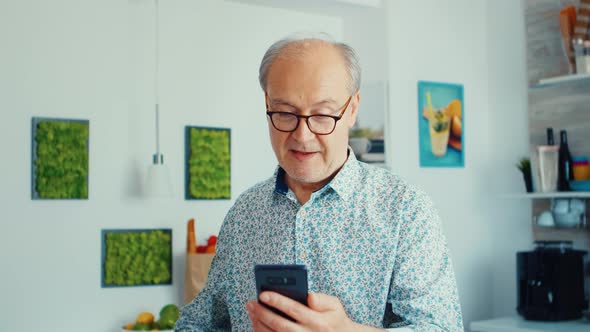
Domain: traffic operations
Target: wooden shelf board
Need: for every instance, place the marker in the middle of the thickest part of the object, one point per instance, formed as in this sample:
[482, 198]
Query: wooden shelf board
[569, 194]
[545, 82]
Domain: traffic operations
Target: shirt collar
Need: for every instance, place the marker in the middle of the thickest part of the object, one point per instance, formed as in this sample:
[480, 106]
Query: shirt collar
[281, 183]
[345, 182]
[342, 183]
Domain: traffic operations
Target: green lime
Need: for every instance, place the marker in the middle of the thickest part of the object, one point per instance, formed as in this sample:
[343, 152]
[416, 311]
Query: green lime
[169, 314]
[142, 327]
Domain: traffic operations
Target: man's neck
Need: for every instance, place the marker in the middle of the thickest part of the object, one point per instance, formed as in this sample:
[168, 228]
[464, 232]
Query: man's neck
[303, 190]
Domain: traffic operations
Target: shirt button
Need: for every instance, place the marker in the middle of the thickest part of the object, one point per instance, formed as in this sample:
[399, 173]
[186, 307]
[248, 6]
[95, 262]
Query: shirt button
[303, 213]
[303, 256]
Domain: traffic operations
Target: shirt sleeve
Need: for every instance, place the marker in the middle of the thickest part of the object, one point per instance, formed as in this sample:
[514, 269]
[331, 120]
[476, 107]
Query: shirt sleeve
[423, 289]
[209, 311]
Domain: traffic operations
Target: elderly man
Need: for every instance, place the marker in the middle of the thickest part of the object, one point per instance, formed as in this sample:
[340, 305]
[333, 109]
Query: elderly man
[373, 245]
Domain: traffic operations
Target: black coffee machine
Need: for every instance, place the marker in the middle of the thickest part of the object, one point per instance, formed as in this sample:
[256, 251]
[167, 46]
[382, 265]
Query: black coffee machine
[551, 282]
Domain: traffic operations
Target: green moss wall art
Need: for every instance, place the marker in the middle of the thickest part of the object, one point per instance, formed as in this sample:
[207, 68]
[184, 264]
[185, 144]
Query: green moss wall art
[208, 161]
[136, 257]
[59, 167]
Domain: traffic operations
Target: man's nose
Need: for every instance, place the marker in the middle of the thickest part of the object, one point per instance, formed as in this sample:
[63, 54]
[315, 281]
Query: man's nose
[302, 132]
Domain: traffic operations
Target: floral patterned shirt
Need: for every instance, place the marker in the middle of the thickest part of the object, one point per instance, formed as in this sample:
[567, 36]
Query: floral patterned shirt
[367, 238]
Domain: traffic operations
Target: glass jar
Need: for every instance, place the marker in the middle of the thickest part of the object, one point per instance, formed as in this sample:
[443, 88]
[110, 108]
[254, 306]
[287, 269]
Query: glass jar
[582, 53]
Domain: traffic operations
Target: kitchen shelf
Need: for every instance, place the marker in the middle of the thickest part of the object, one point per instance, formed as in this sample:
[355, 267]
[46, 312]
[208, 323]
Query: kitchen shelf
[518, 324]
[568, 194]
[545, 82]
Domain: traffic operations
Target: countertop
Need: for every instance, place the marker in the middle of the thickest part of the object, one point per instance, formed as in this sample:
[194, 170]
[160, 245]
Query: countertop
[518, 324]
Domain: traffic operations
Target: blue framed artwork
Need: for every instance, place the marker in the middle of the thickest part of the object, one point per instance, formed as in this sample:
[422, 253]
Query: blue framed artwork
[441, 124]
[208, 163]
[59, 158]
[136, 257]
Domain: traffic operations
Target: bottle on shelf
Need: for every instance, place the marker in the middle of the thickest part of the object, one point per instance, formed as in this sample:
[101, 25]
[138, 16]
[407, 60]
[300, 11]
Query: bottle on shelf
[565, 164]
[550, 139]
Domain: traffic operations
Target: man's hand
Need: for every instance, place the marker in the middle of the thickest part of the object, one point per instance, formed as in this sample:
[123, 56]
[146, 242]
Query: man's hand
[325, 313]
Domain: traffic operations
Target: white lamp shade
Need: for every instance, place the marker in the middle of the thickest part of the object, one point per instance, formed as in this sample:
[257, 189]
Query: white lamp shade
[158, 181]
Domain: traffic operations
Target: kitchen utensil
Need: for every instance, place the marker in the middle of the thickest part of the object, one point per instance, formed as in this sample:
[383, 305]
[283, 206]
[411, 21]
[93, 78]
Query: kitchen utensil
[548, 155]
[568, 213]
[550, 282]
[545, 219]
[580, 185]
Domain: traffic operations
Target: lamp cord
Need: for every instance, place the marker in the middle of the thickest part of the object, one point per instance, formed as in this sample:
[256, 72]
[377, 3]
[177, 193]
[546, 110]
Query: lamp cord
[156, 76]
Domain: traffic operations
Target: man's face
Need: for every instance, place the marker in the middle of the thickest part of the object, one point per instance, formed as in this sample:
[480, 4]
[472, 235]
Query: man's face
[313, 83]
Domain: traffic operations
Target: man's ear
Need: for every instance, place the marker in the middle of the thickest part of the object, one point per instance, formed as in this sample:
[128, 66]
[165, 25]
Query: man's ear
[356, 99]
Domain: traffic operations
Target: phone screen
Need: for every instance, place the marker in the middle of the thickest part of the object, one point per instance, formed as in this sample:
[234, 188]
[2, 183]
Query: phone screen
[289, 280]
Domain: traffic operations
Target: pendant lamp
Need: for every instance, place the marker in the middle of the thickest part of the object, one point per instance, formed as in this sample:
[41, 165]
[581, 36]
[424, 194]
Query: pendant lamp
[158, 182]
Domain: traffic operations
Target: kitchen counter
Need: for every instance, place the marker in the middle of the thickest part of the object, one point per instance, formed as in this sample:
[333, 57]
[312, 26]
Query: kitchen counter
[518, 324]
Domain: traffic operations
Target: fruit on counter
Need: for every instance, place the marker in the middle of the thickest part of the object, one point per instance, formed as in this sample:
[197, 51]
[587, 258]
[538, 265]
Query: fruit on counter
[211, 244]
[168, 316]
[142, 327]
[145, 321]
[145, 318]
[211, 249]
[212, 240]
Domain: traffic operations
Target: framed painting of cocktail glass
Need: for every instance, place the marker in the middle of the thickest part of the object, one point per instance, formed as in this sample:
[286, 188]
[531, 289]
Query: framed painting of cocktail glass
[441, 124]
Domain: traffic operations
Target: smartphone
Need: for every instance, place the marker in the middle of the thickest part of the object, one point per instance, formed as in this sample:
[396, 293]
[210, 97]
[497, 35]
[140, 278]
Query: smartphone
[289, 280]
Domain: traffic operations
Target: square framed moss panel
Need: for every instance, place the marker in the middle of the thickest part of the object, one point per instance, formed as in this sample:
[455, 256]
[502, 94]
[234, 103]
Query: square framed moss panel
[59, 158]
[208, 163]
[136, 257]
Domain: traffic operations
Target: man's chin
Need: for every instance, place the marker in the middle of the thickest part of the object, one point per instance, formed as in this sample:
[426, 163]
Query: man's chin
[305, 179]
[302, 175]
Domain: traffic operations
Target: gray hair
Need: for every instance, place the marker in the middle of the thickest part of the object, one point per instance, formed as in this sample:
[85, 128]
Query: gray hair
[351, 60]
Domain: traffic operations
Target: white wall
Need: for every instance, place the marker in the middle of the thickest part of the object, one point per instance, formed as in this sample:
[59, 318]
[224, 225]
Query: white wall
[95, 60]
[509, 141]
[462, 41]
[363, 27]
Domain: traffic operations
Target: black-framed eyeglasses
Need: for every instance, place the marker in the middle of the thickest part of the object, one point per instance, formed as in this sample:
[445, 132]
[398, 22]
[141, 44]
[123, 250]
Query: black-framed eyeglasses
[319, 124]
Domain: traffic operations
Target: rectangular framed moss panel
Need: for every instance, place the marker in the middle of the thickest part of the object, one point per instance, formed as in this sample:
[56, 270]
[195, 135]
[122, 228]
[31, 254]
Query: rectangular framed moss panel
[59, 158]
[208, 163]
[136, 257]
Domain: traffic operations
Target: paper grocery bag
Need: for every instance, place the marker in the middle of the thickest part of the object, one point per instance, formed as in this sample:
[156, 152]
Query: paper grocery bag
[197, 269]
[197, 265]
